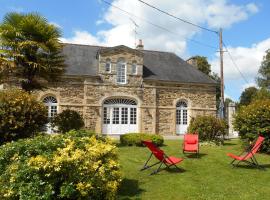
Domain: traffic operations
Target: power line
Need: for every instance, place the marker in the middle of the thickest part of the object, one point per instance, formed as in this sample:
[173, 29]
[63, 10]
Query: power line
[234, 63]
[173, 16]
[158, 26]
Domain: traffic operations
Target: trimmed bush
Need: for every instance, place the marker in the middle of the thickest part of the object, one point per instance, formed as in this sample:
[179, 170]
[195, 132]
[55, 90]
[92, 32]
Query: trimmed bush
[209, 128]
[77, 165]
[21, 115]
[252, 120]
[68, 120]
[136, 139]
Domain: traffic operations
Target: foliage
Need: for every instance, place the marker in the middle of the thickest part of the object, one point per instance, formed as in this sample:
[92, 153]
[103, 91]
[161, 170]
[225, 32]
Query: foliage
[21, 115]
[202, 64]
[68, 120]
[71, 166]
[32, 44]
[261, 94]
[264, 71]
[209, 128]
[136, 139]
[252, 120]
[247, 95]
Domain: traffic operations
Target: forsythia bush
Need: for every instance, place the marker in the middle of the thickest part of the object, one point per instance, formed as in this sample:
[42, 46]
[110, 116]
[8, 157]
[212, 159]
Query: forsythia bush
[253, 120]
[209, 128]
[21, 115]
[77, 165]
[137, 138]
[68, 120]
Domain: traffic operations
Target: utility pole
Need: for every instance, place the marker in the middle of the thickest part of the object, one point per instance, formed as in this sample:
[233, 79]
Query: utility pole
[221, 73]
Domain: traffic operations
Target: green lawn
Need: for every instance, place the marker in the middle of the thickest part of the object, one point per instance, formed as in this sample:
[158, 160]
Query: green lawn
[209, 177]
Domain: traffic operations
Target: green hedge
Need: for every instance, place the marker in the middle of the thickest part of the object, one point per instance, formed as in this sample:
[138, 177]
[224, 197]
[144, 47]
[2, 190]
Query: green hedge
[209, 128]
[21, 115]
[77, 165]
[136, 139]
[252, 120]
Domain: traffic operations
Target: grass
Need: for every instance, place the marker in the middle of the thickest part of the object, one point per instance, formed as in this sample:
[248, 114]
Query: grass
[207, 177]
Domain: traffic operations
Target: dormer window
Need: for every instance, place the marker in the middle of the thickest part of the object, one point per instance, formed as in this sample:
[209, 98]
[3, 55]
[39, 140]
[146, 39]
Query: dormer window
[108, 65]
[121, 72]
[134, 68]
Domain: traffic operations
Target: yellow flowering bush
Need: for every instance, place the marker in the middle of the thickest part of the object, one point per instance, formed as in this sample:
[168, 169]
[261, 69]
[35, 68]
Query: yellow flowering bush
[254, 119]
[21, 115]
[77, 165]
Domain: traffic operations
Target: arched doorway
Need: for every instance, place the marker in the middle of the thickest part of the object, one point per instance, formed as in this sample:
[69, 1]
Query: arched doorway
[119, 116]
[51, 104]
[181, 117]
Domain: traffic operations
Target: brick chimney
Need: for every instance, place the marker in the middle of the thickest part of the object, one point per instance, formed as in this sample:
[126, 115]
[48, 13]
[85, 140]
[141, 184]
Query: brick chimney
[140, 45]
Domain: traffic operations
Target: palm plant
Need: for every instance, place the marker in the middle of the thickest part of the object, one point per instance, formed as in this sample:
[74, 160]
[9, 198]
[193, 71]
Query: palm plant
[32, 46]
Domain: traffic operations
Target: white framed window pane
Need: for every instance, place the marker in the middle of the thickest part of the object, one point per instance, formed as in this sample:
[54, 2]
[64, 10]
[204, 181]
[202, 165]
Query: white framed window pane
[124, 116]
[185, 117]
[108, 66]
[133, 115]
[53, 111]
[115, 116]
[106, 115]
[121, 73]
[134, 68]
[178, 116]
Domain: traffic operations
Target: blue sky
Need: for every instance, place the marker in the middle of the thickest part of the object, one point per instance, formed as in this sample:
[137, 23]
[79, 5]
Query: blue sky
[244, 22]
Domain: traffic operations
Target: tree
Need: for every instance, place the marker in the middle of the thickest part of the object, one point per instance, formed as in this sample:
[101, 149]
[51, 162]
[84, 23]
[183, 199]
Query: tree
[247, 95]
[261, 94]
[32, 44]
[264, 72]
[202, 64]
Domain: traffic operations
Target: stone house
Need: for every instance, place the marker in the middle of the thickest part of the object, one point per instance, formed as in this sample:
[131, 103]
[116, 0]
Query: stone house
[119, 90]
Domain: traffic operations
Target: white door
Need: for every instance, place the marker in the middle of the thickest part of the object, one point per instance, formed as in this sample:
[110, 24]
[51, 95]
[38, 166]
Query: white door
[119, 116]
[51, 104]
[181, 118]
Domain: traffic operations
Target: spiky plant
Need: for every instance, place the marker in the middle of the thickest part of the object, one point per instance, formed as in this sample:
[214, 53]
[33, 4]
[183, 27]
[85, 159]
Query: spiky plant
[31, 44]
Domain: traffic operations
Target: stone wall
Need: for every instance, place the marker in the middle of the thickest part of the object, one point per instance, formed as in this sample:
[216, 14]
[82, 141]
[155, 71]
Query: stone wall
[156, 101]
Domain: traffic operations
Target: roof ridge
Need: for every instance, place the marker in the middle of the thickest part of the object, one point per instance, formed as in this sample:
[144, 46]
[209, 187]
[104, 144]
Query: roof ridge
[68, 43]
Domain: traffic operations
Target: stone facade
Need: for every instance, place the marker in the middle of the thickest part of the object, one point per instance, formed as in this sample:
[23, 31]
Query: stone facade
[156, 100]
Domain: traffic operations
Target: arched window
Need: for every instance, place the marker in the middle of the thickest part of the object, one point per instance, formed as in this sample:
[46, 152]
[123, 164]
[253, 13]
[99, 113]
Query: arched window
[51, 103]
[121, 72]
[181, 117]
[134, 68]
[119, 116]
[108, 65]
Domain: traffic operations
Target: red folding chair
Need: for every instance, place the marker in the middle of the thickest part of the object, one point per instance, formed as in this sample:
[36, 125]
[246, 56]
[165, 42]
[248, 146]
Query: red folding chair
[191, 143]
[161, 156]
[250, 154]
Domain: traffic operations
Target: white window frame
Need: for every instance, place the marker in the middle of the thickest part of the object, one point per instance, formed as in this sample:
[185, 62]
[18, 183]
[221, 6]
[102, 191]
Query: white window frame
[121, 78]
[134, 66]
[108, 61]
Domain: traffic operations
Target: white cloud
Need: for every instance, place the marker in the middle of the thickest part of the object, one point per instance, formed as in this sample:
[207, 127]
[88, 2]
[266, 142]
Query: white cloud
[247, 85]
[213, 13]
[81, 37]
[248, 60]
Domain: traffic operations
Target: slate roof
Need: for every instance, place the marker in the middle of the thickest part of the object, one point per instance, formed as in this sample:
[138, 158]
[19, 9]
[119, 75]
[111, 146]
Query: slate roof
[164, 66]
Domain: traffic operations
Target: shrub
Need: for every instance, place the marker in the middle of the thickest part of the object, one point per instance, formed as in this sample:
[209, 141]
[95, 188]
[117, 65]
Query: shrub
[77, 165]
[209, 128]
[252, 120]
[68, 120]
[21, 115]
[136, 139]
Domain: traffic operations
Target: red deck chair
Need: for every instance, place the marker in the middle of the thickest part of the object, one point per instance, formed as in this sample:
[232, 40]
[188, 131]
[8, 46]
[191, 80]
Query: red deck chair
[250, 154]
[161, 156]
[191, 143]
